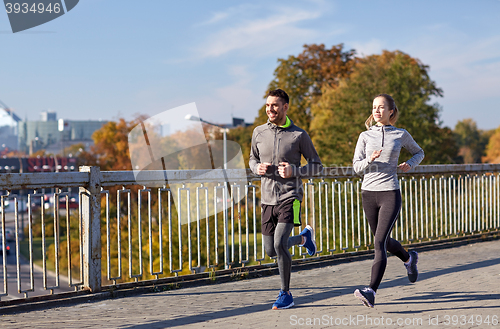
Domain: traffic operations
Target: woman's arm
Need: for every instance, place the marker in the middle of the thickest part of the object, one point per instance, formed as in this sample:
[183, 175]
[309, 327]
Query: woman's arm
[360, 162]
[417, 152]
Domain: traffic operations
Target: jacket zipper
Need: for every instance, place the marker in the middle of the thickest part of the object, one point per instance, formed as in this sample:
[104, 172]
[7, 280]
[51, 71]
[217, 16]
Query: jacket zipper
[275, 190]
[382, 136]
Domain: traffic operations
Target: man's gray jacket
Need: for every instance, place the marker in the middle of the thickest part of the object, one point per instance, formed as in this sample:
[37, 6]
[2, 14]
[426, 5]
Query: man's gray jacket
[275, 144]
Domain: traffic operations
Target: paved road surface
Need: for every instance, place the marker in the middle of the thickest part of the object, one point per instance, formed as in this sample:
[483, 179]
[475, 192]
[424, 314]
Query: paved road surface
[457, 288]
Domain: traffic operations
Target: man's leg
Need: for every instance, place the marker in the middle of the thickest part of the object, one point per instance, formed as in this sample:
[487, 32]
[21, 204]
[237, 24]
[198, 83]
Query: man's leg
[281, 245]
[268, 227]
[288, 213]
[269, 245]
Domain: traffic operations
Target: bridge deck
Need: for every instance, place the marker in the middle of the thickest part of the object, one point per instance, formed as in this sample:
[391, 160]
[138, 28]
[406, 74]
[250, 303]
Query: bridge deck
[457, 288]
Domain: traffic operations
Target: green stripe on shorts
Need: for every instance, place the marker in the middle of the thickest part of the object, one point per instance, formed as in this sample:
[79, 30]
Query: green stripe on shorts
[296, 212]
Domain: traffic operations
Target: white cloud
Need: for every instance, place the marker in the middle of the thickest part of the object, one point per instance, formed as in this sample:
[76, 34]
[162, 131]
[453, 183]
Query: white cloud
[240, 72]
[262, 36]
[238, 98]
[220, 16]
[374, 46]
[216, 17]
[467, 68]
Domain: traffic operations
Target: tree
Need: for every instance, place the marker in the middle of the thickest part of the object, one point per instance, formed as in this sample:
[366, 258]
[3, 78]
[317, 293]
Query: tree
[493, 148]
[110, 147]
[85, 157]
[304, 76]
[242, 136]
[39, 153]
[74, 150]
[13, 154]
[340, 113]
[471, 141]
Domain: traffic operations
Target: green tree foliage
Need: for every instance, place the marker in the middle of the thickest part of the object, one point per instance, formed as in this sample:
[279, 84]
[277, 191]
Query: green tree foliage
[340, 113]
[242, 136]
[471, 141]
[85, 157]
[304, 76]
[74, 150]
[110, 147]
[111, 155]
[493, 148]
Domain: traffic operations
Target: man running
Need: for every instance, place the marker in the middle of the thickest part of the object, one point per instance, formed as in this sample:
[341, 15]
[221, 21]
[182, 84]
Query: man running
[277, 149]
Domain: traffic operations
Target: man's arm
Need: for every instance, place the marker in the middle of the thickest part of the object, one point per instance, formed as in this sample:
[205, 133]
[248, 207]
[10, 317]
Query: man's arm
[257, 167]
[314, 165]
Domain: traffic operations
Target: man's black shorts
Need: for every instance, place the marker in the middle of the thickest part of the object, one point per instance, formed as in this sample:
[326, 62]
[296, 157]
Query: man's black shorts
[286, 212]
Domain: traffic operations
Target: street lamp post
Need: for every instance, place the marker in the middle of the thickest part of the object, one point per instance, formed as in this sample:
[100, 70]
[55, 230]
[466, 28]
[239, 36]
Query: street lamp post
[226, 184]
[224, 136]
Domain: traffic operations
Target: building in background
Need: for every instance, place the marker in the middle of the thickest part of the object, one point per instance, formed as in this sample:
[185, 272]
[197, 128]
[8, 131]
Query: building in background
[9, 123]
[54, 135]
[48, 116]
[238, 122]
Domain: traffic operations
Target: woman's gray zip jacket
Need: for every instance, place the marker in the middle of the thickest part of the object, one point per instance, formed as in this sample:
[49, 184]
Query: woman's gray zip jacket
[381, 174]
[275, 144]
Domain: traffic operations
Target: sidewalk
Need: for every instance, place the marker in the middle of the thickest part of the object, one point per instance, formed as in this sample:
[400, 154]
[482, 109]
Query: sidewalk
[457, 288]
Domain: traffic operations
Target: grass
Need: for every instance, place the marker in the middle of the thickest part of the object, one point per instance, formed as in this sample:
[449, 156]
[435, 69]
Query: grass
[37, 251]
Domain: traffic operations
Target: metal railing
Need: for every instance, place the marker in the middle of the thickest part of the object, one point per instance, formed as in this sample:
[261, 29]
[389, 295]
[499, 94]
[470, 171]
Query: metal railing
[207, 225]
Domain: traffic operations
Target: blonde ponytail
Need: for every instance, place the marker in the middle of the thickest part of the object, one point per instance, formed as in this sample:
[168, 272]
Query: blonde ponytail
[369, 122]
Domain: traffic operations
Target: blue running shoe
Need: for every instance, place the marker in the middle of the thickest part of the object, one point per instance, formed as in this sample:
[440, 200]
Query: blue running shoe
[310, 245]
[284, 301]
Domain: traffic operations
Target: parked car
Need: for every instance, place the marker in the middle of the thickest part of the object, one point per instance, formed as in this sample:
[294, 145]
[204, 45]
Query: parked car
[36, 202]
[7, 247]
[73, 201]
[9, 235]
[6, 205]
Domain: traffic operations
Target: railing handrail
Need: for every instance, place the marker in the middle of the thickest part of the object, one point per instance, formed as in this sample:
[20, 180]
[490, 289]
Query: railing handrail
[21, 181]
[18, 181]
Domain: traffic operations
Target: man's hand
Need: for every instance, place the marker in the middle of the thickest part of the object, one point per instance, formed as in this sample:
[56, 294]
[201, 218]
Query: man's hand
[262, 168]
[285, 170]
[404, 167]
[375, 155]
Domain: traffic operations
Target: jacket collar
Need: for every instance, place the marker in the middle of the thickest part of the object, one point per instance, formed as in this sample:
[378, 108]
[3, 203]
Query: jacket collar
[288, 124]
[380, 128]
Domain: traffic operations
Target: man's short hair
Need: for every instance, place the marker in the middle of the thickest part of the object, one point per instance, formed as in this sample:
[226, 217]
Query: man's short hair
[281, 94]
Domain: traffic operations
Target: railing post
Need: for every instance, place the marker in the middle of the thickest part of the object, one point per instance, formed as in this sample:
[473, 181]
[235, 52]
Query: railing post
[91, 229]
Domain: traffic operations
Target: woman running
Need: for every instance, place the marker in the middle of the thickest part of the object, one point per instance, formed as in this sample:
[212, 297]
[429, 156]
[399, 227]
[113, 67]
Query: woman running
[376, 155]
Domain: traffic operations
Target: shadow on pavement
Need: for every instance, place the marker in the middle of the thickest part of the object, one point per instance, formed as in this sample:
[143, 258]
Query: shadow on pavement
[329, 292]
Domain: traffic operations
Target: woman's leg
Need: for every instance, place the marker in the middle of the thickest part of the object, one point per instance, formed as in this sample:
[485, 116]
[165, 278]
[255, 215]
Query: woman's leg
[393, 245]
[382, 209]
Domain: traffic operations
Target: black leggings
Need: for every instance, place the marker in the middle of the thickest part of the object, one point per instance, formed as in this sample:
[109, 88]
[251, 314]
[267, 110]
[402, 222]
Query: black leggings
[382, 210]
[278, 245]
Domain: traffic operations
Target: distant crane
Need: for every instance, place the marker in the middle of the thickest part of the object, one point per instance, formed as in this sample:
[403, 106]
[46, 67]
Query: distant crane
[5, 107]
[13, 128]
[10, 112]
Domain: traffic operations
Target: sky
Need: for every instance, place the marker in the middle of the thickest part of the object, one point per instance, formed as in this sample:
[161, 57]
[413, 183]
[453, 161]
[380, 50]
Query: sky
[110, 59]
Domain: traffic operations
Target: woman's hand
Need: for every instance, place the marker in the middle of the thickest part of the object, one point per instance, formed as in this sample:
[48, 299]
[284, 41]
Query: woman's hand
[404, 167]
[375, 155]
